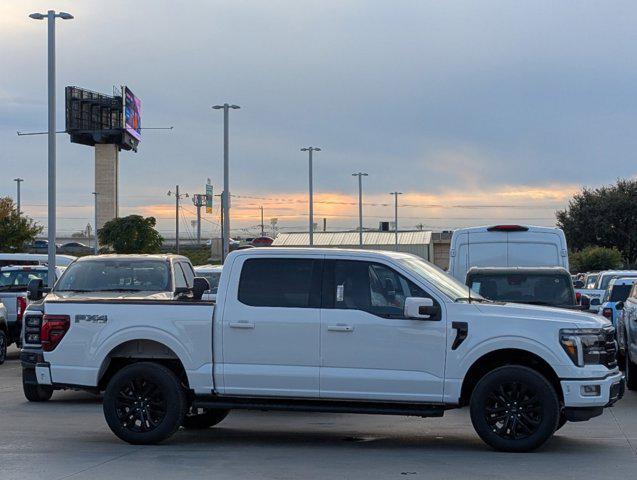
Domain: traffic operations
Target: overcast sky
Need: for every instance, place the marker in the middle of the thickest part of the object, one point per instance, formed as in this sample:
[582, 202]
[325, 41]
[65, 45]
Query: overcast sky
[462, 105]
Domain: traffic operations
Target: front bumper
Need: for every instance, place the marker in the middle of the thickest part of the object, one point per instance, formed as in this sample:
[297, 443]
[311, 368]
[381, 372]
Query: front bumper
[611, 389]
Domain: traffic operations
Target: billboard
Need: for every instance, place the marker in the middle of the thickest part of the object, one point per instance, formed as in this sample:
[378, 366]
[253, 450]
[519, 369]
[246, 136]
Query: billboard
[132, 114]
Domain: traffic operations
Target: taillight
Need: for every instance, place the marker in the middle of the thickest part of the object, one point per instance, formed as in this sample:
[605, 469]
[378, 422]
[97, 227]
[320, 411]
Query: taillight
[21, 306]
[508, 228]
[608, 313]
[578, 297]
[54, 327]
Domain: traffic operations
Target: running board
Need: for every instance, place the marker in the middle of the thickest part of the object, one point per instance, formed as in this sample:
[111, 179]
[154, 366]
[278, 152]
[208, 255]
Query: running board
[329, 406]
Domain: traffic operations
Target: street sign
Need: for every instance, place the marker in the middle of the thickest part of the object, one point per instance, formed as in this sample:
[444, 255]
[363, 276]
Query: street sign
[209, 198]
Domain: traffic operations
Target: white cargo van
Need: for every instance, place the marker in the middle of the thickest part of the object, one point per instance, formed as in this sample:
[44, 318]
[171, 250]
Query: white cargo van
[506, 246]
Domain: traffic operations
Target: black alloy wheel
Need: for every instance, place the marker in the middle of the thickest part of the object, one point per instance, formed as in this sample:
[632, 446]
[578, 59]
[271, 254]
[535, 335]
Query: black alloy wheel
[513, 411]
[140, 405]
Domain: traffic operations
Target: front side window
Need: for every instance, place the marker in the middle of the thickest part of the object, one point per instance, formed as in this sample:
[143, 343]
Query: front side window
[281, 282]
[213, 280]
[116, 275]
[373, 288]
[619, 293]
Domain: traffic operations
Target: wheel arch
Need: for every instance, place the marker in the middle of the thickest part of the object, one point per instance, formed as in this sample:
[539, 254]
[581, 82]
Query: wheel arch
[503, 357]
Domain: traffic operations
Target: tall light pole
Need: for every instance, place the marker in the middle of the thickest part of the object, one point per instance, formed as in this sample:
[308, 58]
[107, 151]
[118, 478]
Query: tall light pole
[225, 196]
[360, 176]
[51, 16]
[178, 196]
[96, 248]
[310, 150]
[262, 225]
[199, 201]
[395, 194]
[18, 181]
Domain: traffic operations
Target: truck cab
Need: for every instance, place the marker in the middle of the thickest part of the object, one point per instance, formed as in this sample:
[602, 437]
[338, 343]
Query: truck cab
[336, 331]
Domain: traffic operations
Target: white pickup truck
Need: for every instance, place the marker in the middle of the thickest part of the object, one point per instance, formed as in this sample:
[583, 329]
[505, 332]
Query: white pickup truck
[334, 331]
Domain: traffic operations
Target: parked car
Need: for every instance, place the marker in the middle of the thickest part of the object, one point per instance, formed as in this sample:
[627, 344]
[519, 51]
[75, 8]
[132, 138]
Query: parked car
[617, 291]
[325, 330]
[262, 242]
[212, 273]
[13, 293]
[506, 246]
[595, 294]
[4, 333]
[8, 259]
[75, 247]
[590, 280]
[549, 286]
[627, 337]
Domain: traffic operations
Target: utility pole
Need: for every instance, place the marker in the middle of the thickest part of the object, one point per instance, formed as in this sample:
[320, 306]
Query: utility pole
[395, 194]
[97, 248]
[310, 150]
[178, 196]
[262, 225]
[199, 201]
[18, 181]
[225, 196]
[51, 228]
[360, 176]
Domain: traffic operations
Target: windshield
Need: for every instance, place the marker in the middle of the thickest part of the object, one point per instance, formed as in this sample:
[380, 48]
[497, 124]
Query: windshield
[19, 279]
[116, 275]
[213, 280]
[591, 280]
[445, 283]
[605, 280]
[539, 289]
[618, 293]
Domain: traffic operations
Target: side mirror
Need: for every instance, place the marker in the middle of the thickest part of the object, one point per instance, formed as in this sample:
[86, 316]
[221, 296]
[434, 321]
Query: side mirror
[421, 308]
[578, 284]
[619, 306]
[595, 302]
[182, 292]
[199, 286]
[585, 302]
[35, 289]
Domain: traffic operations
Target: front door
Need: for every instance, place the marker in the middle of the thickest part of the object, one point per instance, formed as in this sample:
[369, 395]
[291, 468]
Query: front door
[369, 350]
[271, 323]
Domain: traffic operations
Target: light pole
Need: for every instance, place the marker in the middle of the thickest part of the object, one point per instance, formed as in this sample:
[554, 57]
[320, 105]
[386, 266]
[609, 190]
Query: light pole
[97, 248]
[395, 194]
[178, 196]
[310, 150]
[360, 176]
[225, 196]
[18, 181]
[51, 16]
[199, 201]
[262, 226]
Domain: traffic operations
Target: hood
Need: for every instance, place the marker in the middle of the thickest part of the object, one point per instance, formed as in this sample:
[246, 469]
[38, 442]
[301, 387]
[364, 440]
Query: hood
[570, 318]
[143, 295]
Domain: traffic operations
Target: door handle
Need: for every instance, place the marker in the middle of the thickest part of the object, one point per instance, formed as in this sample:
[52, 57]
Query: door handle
[340, 328]
[241, 325]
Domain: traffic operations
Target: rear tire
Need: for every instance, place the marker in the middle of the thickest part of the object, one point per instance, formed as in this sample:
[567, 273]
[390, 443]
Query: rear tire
[514, 409]
[208, 418]
[3, 346]
[144, 403]
[630, 371]
[36, 393]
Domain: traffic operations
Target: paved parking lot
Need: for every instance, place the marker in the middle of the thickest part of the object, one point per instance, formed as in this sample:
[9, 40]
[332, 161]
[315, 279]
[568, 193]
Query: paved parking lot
[68, 438]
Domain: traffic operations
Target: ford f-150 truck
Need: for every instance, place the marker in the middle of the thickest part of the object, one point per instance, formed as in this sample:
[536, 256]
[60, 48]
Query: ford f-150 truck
[334, 331]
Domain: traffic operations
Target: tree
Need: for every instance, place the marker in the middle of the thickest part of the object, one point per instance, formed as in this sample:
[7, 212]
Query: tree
[15, 229]
[605, 216]
[132, 234]
[592, 259]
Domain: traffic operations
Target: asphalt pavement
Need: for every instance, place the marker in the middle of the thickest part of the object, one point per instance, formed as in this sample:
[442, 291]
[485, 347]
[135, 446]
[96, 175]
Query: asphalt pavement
[67, 437]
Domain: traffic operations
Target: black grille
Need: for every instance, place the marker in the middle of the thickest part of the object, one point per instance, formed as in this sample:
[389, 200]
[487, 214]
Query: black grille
[609, 359]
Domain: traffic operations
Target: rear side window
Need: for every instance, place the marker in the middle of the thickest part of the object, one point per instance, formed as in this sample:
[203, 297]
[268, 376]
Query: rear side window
[281, 282]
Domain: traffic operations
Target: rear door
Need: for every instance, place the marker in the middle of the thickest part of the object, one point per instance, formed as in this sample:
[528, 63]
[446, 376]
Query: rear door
[270, 326]
[534, 249]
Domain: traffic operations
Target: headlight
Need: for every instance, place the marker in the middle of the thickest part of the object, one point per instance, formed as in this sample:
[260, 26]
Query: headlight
[587, 346]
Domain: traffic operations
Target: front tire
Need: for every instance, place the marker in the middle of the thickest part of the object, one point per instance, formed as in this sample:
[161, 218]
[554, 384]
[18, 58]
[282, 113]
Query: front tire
[514, 409]
[3, 346]
[630, 371]
[144, 403]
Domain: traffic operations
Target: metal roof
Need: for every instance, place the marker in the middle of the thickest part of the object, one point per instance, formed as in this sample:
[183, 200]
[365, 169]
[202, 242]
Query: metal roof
[343, 239]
